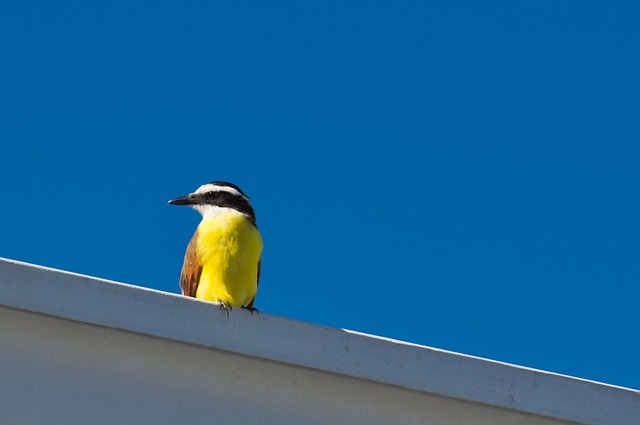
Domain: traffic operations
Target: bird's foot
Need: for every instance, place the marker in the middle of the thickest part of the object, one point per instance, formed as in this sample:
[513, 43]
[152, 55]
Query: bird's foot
[224, 306]
[251, 310]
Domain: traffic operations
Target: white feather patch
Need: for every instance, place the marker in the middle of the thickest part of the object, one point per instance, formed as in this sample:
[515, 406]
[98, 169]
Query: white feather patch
[213, 211]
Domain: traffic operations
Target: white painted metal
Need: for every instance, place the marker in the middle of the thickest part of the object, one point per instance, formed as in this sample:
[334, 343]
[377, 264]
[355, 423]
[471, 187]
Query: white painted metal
[75, 349]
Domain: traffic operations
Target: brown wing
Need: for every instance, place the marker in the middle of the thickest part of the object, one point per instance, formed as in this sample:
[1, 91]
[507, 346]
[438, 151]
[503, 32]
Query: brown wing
[250, 305]
[191, 270]
[259, 267]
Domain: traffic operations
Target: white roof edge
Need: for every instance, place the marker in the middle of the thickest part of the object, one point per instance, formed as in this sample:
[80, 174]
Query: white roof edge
[146, 311]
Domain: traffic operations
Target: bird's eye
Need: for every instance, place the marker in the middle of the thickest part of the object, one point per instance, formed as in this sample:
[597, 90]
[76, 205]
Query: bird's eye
[212, 194]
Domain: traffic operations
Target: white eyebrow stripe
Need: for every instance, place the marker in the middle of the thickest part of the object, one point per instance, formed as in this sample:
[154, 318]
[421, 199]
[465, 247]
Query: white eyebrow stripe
[215, 188]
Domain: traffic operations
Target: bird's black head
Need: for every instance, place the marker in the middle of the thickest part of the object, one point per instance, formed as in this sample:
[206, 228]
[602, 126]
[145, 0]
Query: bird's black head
[211, 197]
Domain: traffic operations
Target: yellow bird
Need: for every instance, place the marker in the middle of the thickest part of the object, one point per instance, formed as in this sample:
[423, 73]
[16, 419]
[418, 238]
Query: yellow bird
[223, 259]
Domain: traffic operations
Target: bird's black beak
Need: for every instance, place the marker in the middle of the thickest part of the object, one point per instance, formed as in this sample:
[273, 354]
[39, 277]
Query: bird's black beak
[185, 200]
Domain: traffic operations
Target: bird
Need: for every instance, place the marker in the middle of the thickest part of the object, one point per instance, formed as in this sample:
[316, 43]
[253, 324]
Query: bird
[223, 259]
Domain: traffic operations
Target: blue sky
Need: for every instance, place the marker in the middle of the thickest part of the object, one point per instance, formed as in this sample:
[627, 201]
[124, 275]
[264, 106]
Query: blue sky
[459, 175]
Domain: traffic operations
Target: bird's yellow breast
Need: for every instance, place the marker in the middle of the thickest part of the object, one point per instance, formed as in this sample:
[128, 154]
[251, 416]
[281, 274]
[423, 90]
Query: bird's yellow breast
[229, 248]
